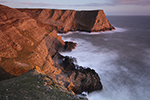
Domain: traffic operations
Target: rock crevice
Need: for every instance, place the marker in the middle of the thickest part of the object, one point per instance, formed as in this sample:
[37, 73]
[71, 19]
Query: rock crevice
[28, 38]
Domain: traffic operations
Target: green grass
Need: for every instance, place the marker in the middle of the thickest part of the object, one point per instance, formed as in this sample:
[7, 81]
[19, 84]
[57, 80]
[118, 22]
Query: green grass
[31, 87]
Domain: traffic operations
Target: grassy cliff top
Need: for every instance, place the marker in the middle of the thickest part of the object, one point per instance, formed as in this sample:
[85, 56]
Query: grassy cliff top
[33, 86]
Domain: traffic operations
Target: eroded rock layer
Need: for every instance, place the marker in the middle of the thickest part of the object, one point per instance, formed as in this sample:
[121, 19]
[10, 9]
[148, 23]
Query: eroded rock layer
[28, 38]
[70, 20]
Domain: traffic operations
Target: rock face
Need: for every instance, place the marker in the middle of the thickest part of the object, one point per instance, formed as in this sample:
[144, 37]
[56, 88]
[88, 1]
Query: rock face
[82, 79]
[28, 38]
[70, 20]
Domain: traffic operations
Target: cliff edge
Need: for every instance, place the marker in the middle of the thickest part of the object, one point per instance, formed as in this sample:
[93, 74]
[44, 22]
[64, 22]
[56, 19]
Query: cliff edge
[70, 20]
[28, 38]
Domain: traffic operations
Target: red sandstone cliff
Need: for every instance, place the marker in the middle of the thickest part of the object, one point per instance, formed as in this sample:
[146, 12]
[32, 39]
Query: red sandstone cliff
[70, 20]
[28, 38]
[24, 44]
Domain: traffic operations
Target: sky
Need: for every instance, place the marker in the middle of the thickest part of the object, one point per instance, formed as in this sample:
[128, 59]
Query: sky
[110, 7]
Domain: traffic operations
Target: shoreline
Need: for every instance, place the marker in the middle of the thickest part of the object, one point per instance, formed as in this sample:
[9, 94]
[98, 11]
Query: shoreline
[29, 39]
[116, 30]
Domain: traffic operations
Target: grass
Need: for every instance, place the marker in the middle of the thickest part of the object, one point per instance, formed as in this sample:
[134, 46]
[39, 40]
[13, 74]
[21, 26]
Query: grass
[31, 86]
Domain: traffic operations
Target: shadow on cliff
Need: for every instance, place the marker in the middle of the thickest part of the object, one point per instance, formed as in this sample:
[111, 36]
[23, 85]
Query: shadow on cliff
[4, 75]
[25, 44]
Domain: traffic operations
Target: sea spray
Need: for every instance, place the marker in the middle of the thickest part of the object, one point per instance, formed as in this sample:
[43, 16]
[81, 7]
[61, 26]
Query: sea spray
[116, 30]
[120, 60]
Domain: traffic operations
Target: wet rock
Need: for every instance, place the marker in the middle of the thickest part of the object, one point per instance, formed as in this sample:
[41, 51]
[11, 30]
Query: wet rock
[69, 46]
[81, 79]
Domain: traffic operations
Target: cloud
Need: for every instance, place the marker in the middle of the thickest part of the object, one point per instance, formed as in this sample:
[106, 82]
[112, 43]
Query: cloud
[3, 1]
[121, 2]
[94, 4]
[36, 4]
[59, 5]
[131, 2]
[98, 4]
[110, 3]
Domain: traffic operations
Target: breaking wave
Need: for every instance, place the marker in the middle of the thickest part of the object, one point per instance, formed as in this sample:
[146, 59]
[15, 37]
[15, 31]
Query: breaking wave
[117, 30]
[119, 68]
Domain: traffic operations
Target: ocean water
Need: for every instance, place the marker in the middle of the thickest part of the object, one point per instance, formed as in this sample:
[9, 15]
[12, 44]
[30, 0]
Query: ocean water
[120, 57]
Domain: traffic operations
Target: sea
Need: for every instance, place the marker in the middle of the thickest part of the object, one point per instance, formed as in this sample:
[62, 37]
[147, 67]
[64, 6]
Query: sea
[120, 57]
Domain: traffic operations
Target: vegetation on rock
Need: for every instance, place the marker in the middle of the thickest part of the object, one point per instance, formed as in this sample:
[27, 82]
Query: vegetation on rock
[28, 38]
[33, 85]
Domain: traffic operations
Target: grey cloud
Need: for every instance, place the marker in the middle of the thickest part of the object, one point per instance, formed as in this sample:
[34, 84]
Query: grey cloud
[37, 4]
[120, 2]
[3, 1]
[79, 5]
[131, 2]
[111, 3]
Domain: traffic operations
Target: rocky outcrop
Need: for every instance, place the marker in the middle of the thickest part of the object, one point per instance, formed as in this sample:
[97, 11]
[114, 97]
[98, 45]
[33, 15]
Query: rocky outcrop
[69, 46]
[26, 43]
[70, 20]
[34, 85]
[82, 79]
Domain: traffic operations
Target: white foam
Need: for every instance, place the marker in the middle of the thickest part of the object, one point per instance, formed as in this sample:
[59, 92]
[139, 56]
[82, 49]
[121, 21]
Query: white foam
[116, 79]
[102, 61]
[68, 33]
[116, 30]
[91, 56]
[119, 94]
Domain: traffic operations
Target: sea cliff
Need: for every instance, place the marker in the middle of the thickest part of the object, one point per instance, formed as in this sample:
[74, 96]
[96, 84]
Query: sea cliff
[70, 20]
[28, 38]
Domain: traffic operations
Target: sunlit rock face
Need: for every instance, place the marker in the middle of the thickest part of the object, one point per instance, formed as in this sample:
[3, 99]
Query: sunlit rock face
[28, 38]
[70, 20]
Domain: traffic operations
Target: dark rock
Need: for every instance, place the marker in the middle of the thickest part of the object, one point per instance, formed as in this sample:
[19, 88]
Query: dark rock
[4, 75]
[69, 46]
[82, 79]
